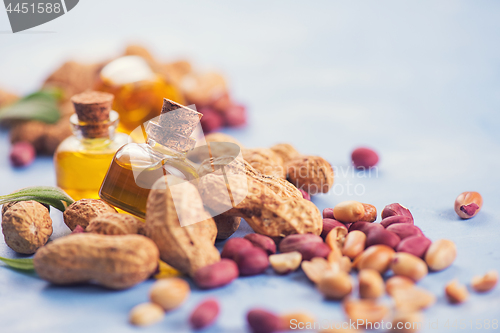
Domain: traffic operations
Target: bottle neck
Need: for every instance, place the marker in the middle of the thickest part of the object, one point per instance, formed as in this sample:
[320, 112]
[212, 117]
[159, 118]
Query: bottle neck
[93, 132]
[162, 150]
[168, 141]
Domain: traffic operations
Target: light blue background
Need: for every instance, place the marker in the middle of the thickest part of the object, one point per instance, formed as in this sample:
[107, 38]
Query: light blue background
[416, 80]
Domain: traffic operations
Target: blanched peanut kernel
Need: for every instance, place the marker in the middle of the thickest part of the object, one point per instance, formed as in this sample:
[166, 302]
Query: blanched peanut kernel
[335, 285]
[169, 293]
[367, 310]
[378, 257]
[146, 314]
[345, 264]
[349, 211]
[336, 237]
[456, 293]
[398, 282]
[317, 268]
[408, 265]
[486, 282]
[413, 299]
[354, 244]
[371, 284]
[441, 254]
[284, 263]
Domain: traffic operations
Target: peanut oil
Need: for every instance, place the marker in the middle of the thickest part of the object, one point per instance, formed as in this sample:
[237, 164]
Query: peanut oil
[81, 160]
[138, 91]
[80, 173]
[137, 166]
[132, 174]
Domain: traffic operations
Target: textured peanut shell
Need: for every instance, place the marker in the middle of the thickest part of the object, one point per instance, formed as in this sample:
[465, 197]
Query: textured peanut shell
[282, 188]
[81, 212]
[239, 166]
[221, 137]
[7, 206]
[26, 226]
[265, 211]
[265, 161]
[313, 174]
[217, 150]
[184, 248]
[116, 224]
[286, 151]
[115, 262]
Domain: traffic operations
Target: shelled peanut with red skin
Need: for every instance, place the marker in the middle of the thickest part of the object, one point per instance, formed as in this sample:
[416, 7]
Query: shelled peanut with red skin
[468, 204]
[204, 314]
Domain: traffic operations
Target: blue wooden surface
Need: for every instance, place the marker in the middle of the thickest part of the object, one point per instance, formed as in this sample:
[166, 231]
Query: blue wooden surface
[417, 80]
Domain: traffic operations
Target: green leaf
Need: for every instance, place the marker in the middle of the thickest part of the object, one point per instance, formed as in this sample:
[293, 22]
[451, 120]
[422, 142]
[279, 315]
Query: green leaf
[40, 105]
[49, 195]
[52, 93]
[24, 264]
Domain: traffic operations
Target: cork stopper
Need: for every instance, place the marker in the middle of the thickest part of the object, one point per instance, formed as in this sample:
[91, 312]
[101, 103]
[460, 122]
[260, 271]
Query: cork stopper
[93, 109]
[175, 125]
[178, 118]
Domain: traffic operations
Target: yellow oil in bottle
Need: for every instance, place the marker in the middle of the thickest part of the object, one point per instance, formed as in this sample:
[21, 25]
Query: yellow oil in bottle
[132, 174]
[80, 173]
[81, 162]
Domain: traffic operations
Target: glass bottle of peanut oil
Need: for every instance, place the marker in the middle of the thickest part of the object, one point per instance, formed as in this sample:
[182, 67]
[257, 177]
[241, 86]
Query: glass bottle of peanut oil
[138, 90]
[81, 160]
[136, 166]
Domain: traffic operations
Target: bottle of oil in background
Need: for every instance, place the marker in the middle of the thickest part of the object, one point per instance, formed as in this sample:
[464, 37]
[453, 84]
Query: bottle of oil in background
[137, 89]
